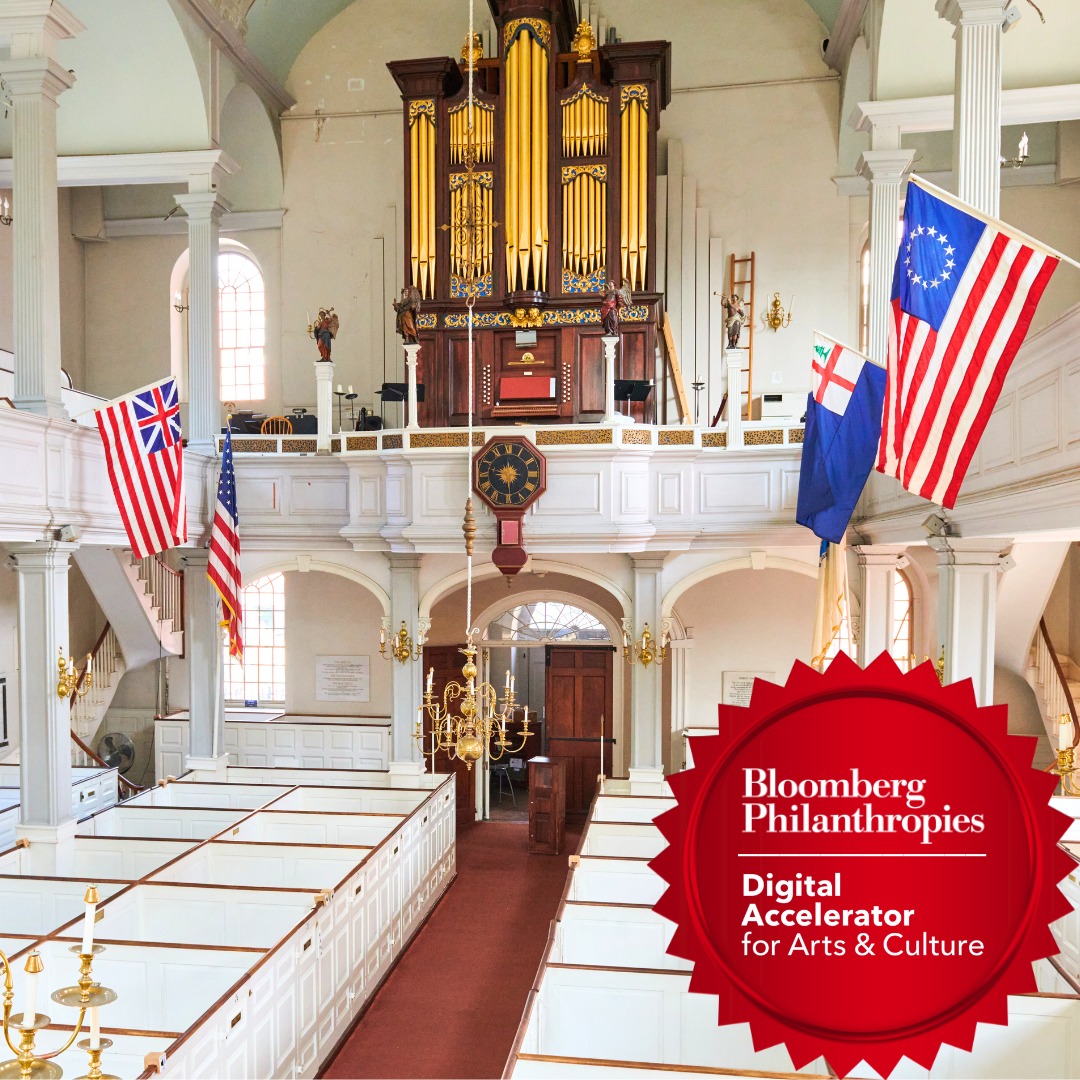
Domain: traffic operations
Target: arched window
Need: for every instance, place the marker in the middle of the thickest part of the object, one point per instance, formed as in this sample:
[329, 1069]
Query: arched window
[547, 620]
[903, 645]
[262, 675]
[242, 301]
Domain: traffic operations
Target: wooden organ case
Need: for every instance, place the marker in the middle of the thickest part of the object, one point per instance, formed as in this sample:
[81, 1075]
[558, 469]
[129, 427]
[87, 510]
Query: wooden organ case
[563, 147]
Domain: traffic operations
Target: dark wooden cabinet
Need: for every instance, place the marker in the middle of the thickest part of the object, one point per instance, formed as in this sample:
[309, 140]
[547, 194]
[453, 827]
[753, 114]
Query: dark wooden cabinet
[547, 805]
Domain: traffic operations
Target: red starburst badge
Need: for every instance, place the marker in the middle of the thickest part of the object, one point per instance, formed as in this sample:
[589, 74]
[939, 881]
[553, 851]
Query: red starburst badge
[862, 865]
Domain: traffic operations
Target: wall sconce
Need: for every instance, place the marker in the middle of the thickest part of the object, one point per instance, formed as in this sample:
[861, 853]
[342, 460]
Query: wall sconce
[1021, 154]
[180, 301]
[645, 650]
[776, 317]
[5, 211]
[69, 681]
[401, 643]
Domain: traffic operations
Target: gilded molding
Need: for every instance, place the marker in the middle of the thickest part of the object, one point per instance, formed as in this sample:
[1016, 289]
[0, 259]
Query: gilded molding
[459, 287]
[764, 437]
[361, 442]
[391, 442]
[427, 322]
[634, 92]
[583, 436]
[439, 439]
[461, 179]
[714, 438]
[637, 436]
[675, 438]
[299, 446]
[551, 317]
[585, 91]
[597, 172]
[795, 435]
[581, 283]
[540, 30]
[421, 107]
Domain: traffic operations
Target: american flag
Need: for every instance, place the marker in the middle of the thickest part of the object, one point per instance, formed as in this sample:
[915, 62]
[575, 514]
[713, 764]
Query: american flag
[145, 459]
[223, 566]
[965, 289]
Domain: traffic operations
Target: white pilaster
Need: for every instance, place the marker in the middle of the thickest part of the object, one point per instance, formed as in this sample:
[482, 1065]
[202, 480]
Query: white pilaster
[876, 565]
[967, 602]
[977, 102]
[646, 700]
[886, 170]
[34, 80]
[412, 353]
[45, 815]
[204, 210]
[610, 415]
[206, 685]
[324, 403]
[406, 680]
[734, 360]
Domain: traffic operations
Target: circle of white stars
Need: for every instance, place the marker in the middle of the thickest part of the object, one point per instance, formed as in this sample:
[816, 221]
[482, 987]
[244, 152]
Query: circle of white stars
[950, 263]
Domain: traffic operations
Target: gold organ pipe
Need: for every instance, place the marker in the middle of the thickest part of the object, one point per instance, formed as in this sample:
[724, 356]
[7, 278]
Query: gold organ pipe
[643, 191]
[414, 205]
[633, 215]
[565, 226]
[624, 208]
[524, 194]
[544, 131]
[603, 225]
[535, 93]
[431, 203]
[511, 167]
[425, 195]
[590, 202]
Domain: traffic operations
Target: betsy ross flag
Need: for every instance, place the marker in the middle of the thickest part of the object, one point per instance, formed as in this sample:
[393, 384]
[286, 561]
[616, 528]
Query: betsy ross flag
[840, 443]
[965, 289]
[223, 566]
[145, 458]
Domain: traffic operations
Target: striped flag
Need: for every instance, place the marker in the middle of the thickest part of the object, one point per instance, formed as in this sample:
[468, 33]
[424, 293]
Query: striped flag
[145, 459]
[223, 566]
[965, 290]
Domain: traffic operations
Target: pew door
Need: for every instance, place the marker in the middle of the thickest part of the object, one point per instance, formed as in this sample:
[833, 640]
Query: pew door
[578, 702]
[447, 661]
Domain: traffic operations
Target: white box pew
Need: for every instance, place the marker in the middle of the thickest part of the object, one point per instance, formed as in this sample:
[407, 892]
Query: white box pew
[167, 822]
[268, 866]
[200, 915]
[540, 1067]
[353, 800]
[630, 807]
[287, 774]
[635, 840]
[160, 988]
[124, 858]
[608, 880]
[1067, 929]
[313, 827]
[125, 1058]
[217, 796]
[36, 906]
[9, 820]
[619, 935]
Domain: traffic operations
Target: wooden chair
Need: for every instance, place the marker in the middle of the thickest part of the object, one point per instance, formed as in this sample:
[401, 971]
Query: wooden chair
[276, 425]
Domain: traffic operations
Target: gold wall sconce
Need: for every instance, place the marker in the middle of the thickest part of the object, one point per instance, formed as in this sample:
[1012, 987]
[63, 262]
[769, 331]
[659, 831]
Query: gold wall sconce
[776, 317]
[401, 643]
[647, 648]
[69, 681]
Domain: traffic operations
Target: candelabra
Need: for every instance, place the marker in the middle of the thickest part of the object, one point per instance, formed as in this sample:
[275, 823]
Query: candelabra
[401, 643]
[69, 681]
[1021, 154]
[1065, 766]
[776, 317]
[86, 996]
[645, 649]
[480, 723]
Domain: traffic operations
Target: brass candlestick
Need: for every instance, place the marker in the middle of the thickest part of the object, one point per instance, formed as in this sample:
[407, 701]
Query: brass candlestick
[94, 1072]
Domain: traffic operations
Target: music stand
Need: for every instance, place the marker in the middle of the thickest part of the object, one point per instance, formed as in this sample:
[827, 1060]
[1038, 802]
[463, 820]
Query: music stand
[633, 390]
[398, 391]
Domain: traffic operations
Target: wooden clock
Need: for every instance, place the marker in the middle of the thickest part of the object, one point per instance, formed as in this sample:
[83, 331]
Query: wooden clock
[509, 474]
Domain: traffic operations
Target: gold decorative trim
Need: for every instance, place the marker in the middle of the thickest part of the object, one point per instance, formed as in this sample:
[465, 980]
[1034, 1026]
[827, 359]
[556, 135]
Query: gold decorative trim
[540, 30]
[584, 41]
[523, 319]
[254, 446]
[675, 438]
[391, 442]
[459, 180]
[299, 446]
[585, 91]
[362, 442]
[634, 92]
[421, 107]
[434, 439]
[597, 172]
[575, 437]
[464, 103]
[764, 437]
[639, 436]
[714, 438]
[795, 435]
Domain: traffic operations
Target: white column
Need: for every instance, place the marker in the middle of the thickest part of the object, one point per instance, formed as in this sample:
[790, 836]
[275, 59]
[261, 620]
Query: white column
[204, 210]
[34, 80]
[967, 601]
[876, 565]
[406, 680]
[734, 360]
[886, 170]
[412, 353]
[45, 816]
[610, 415]
[646, 700]
[977, 102]
[206, 685]
[324, 403]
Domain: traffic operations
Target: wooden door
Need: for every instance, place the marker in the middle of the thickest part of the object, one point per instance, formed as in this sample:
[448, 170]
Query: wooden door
[578, 699]
[447, 661]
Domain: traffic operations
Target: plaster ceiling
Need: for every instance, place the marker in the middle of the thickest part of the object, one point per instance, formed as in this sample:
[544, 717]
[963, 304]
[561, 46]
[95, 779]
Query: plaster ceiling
[277, 30]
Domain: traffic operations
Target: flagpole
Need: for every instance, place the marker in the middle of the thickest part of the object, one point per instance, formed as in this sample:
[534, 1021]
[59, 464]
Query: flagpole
[1015, 233]
[857, 352]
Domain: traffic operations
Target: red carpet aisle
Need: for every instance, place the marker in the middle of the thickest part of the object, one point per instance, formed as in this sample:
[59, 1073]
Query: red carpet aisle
[451, 1007]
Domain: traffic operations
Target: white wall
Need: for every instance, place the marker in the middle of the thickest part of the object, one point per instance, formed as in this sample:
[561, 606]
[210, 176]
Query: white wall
[9, 652]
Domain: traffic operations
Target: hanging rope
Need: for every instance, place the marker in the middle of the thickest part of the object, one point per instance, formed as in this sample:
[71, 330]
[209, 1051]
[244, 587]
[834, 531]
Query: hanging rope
[469, 527]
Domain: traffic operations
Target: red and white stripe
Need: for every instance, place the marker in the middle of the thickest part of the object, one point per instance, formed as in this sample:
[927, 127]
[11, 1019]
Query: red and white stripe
[942, 386]
[149, 488]
[223, 570]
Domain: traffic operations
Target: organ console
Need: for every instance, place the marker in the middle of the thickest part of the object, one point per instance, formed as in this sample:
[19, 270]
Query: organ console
[533, 196]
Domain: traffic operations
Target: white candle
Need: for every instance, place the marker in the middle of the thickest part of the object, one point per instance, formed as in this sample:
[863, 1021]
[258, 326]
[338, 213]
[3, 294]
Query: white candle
[1065, 732]
[430, 679]
[30, 999]
[382, 635]
[350, 388]
[507, 684]
[89, 662]
[513, 679]
[95, 1029]
[339, 390]
[88, 926]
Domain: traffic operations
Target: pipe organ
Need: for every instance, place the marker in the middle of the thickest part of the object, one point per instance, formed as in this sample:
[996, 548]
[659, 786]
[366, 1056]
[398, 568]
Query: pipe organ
[530, 197]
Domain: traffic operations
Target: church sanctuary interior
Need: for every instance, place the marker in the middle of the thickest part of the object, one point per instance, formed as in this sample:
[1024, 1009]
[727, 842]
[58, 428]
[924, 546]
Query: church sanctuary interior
[505, 310]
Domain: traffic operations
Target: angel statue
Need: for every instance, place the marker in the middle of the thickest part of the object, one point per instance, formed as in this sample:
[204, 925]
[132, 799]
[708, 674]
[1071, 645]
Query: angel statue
[406, 310]
[733, 317]
[614, 301]
[325, 330]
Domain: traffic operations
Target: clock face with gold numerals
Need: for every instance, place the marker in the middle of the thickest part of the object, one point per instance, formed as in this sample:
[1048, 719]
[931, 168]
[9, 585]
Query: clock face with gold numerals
[509, 473]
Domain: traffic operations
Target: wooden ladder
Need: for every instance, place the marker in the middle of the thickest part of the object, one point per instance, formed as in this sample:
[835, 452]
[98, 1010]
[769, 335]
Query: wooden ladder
[741, 277]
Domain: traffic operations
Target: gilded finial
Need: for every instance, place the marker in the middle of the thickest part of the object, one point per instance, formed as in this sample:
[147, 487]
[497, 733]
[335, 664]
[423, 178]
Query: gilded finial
[584, 41]
[471, 56]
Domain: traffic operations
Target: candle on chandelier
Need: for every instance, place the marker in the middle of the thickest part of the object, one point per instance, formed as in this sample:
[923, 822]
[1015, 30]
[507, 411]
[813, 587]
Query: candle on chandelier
[89, 662]
[430, 679]
[513, 679]
[88, 921]
[95, 1029]
[507, 684]
[382, 635]
[33, 965]
[1065, 732]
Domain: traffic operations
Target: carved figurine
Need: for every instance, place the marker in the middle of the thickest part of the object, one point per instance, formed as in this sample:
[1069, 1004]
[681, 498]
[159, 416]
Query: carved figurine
[406, 310]
[325, 330]
[733, 318]
[614, 301]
